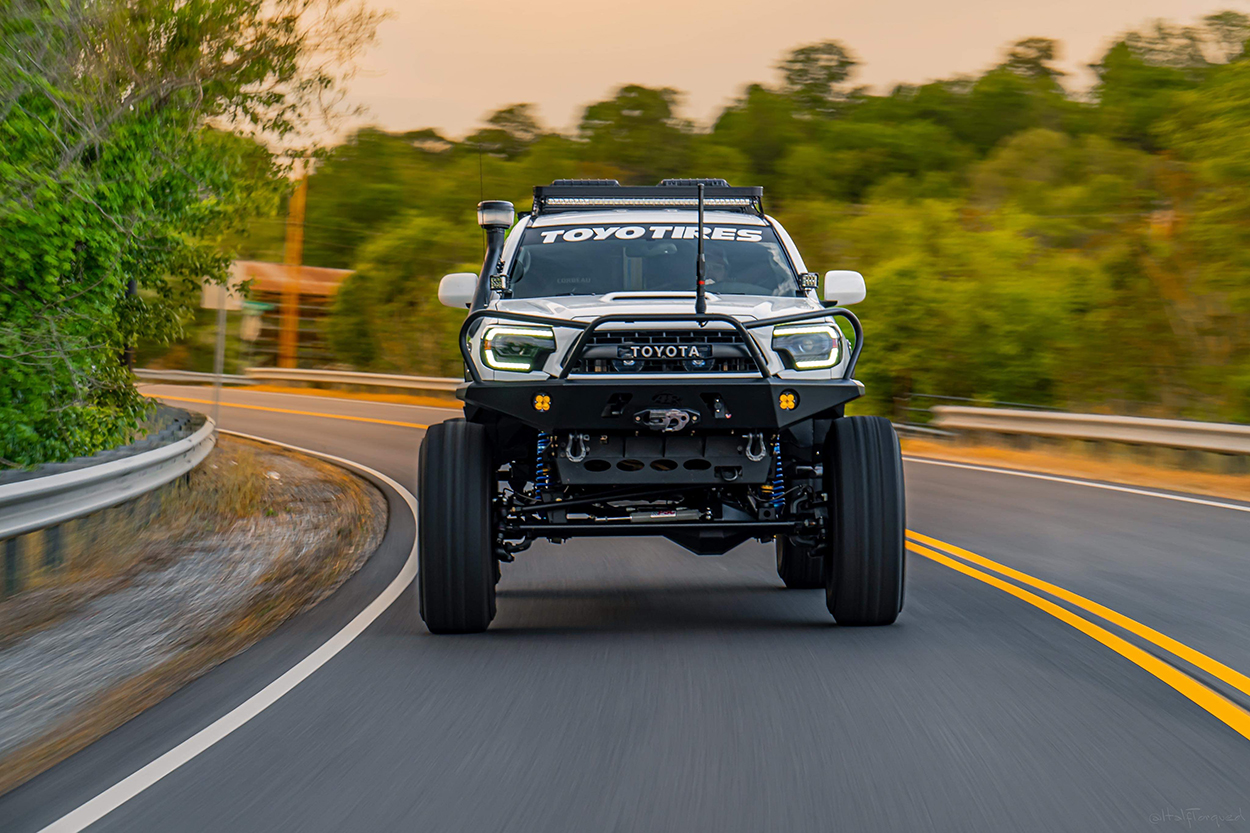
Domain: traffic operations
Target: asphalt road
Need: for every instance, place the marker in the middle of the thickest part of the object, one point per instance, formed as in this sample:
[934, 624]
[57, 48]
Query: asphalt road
[628, 685]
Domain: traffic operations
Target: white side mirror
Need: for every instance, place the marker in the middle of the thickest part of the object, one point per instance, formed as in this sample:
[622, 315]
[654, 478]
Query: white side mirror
[457, 289]
[844, 287]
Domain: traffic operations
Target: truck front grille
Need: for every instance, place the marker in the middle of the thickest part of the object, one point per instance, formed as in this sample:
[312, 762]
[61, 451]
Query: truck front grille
[665, 351]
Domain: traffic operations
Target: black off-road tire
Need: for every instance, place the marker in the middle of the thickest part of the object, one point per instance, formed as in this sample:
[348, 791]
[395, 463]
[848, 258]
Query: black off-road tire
[455, 529]
[864, 480]
[798, 566]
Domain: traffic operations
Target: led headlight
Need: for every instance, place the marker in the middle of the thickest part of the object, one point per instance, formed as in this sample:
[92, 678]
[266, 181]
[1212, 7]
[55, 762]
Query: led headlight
[517, 348]
[808, 346]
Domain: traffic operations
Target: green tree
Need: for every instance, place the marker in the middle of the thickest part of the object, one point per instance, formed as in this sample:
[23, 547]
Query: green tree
[1134, 95]
[510, 133]
[814, 75]
[1032, 58]
[1020, 242]
[1141, 75]
[362, 186]
[1209, 259]
[761, 125]
[638, 132]
[112, 175]
[1226, 35]
[395, 285]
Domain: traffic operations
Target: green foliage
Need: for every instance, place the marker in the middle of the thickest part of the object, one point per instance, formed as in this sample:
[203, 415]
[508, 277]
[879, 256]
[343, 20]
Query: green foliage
[1207, 265]
[395, 286]
[1021, 243]
[118, 178]
[1142, 75]
[637, 131]
[814, 75]
[763, 126]
[511, 132]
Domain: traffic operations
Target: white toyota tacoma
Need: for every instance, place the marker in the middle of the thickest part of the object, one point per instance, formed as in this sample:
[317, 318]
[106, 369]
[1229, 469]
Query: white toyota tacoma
[657, 361]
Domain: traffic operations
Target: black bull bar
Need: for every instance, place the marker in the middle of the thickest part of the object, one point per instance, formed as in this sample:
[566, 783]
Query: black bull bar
[601, 402]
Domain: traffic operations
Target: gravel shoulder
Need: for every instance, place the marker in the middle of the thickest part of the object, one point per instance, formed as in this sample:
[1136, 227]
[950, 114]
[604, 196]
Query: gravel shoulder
[255, 536]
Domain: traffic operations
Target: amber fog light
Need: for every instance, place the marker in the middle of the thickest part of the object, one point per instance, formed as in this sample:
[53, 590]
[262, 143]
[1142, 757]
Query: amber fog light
[788, 401]
[542, 402]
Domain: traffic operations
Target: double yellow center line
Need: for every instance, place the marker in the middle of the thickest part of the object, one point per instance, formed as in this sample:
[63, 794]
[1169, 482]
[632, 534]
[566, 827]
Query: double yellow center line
[962, 560]
[290, 411]
[1212, 701]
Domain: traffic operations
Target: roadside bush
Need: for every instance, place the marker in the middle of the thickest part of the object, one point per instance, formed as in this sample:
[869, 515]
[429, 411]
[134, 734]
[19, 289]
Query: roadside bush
[128, 147]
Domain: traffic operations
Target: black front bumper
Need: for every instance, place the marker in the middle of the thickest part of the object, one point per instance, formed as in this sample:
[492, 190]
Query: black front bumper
[612, 404]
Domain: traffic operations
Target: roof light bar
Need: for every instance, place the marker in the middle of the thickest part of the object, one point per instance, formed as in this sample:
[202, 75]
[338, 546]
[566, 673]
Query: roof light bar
[673, 194]
[711, 202]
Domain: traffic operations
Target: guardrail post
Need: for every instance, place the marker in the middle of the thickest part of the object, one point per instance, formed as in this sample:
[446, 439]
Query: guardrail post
[12, 567]
[53, 547]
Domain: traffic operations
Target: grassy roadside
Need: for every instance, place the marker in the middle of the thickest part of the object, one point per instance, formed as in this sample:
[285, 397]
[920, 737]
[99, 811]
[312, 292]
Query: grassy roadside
[1236, 487]
[315, 522]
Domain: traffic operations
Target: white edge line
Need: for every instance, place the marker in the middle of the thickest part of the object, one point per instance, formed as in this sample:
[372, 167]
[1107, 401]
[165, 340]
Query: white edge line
[1091, 484]
[130, 786]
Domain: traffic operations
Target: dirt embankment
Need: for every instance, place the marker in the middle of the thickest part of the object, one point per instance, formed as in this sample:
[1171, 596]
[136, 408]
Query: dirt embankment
[146, 604]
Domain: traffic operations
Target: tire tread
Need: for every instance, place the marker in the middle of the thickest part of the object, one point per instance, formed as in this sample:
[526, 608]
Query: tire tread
[864, 478]
[456, 580]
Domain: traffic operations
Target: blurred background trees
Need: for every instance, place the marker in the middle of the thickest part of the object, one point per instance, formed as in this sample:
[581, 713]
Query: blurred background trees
[1022, 242]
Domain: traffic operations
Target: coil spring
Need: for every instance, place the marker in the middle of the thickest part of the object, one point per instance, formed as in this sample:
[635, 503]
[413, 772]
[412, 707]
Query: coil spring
[776, 489]
[542, 475]
[779, 477]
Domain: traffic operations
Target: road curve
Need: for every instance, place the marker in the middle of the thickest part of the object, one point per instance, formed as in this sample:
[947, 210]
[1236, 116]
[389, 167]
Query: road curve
[628, 685]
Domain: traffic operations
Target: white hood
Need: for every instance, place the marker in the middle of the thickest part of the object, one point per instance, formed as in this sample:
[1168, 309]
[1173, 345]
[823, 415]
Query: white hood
[589, 307]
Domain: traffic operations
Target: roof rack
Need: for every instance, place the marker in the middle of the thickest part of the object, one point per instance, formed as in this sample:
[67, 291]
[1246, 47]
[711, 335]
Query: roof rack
[599, 195]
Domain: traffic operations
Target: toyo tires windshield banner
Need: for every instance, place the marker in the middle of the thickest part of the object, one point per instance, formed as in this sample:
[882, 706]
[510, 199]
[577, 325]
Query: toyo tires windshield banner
[596, 260]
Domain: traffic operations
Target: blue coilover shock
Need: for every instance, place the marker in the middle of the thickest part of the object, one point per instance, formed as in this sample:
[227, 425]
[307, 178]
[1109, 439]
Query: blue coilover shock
[775, 489]
[542, 474]
[779, 478]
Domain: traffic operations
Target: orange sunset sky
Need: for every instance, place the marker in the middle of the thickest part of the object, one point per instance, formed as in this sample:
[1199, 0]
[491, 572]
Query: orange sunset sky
[446, 64]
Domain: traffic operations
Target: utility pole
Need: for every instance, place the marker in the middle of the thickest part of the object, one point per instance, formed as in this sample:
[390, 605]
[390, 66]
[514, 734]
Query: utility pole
[288, 331]
[219, 355]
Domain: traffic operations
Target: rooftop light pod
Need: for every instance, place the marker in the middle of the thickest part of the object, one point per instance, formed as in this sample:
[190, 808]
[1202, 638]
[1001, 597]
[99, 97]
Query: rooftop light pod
[495, 214]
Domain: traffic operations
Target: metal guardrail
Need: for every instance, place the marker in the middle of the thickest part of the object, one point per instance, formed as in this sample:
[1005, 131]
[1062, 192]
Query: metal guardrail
[151, 374]
[1222, 438]
[42, 502]
[922, 432]
[347, 377]
[946, 420]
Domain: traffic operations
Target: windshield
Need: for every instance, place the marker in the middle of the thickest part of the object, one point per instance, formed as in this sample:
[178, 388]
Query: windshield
[596, 260]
